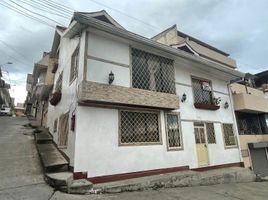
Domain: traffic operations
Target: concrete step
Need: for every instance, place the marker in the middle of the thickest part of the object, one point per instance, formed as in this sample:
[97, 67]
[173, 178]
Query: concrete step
[42, 136]
[179, 179]
[51, 158]
[81, 186]
[59, 179]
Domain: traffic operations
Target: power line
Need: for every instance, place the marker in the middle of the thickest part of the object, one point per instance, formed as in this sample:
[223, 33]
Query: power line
[35, 13]
[56, 6]
[42, 9]
[49, 6]
[134, 18]
[59, 5]
[13, 49]
[26, 14]
[20, 61]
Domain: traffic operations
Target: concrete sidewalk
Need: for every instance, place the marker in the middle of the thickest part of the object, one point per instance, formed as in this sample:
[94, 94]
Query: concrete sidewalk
[20, 171]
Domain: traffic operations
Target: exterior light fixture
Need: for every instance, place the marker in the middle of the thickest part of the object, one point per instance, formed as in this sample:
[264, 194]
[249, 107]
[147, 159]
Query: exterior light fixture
[111, 77]
[183, 97]
[226, 105]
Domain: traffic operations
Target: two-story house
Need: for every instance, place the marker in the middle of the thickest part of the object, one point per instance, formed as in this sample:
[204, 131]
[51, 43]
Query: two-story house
[251, 109]
[39, 85]
[124, 105]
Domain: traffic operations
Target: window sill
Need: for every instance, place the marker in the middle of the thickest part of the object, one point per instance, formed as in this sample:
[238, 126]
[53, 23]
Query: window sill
[231, 147]
[206, 106]
[175, 149]
[140, 144]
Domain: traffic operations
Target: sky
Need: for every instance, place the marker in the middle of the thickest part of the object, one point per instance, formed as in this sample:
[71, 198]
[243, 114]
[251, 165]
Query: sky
[238, 27]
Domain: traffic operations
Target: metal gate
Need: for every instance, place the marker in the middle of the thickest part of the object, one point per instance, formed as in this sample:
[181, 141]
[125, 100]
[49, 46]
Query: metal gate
[259, 161]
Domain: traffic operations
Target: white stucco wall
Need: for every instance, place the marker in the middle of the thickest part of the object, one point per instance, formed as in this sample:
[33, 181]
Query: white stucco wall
[68, 101]
[113, 55]
[97, 151]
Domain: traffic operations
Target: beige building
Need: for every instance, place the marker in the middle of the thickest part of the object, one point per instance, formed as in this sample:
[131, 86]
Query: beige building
[251, 108]
[39, 85]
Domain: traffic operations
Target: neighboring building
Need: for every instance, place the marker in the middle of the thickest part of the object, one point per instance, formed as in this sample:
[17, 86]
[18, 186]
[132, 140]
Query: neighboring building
[39, 85]
[251, 108]
[123, 103]
[5, 99]
[261, 82]
[19, 109]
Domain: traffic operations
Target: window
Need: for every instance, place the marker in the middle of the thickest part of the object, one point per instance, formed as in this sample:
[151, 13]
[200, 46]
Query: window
[210, 133]
[251, 123]
[229, 137]
[55, 127]
[152, 72]
[63, 129]
[74, 65]
[202, 91]
[58, 86]
[174, 139]
[139, 127]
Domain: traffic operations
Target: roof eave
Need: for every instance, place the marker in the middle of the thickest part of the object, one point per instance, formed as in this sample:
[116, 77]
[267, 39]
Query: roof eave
[75, 27]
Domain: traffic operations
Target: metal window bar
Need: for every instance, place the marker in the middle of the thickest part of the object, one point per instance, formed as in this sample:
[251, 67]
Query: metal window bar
[152, 72]
[58, 86]
[74, 65]
[202, 93]
[249, 124]
[139, 127]
[229, 137]
[210, 133]
[173, 131]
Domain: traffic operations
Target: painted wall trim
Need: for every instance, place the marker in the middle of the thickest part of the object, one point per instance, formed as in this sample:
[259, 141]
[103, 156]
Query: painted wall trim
[123, 176]
[107, 61]
[201, 169]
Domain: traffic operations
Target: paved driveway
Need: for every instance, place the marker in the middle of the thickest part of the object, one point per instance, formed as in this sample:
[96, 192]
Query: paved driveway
[22, 178]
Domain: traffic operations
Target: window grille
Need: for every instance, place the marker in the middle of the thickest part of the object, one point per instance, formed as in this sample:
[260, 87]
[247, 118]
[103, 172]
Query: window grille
[139, 127]
[202, 91]
[152, 72]
[173, 131]
[229, 137]
[74, 65]
[210, 133]
[251, 124]
[58, 86]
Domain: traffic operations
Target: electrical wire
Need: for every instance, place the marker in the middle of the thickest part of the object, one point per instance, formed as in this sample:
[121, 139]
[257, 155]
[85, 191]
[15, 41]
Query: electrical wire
[13, 49]
[42, 9]
[26, 15]
[35, 13]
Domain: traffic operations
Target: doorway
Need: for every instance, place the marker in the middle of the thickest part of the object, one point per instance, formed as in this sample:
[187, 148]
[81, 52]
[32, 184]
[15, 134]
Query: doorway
[201, 144]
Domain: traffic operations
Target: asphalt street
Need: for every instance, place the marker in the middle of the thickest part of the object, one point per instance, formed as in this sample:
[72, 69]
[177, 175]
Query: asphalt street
[22, 177]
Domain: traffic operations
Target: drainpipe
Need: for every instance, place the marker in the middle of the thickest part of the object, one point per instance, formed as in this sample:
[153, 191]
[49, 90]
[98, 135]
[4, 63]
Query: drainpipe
[235, 123]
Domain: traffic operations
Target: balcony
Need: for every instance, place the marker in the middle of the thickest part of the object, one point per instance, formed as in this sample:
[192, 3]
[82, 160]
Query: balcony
[98, 93]
[248, 99]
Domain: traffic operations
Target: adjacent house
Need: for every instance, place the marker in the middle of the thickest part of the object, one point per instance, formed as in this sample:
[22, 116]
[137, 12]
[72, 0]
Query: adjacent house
[39, 85]
[124, 105]
[251, 109]
[5, 99]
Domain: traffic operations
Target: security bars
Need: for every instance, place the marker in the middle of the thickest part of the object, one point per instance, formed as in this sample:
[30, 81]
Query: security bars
[74, 65]
[137, 127]
[229, 137]
[152, 72]
[173, 131]
[202, 91]
[58, 86]
[210, 133]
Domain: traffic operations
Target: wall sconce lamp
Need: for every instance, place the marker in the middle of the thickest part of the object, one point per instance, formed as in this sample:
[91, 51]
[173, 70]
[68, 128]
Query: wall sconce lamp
[183, 97]
[111, 77]
[226, 105]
